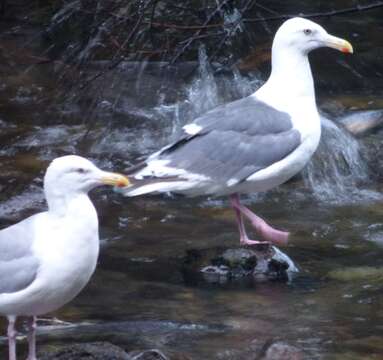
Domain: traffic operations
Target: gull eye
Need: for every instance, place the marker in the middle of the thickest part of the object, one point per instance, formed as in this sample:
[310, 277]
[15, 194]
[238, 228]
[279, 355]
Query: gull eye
[307, 31]
[81, 171]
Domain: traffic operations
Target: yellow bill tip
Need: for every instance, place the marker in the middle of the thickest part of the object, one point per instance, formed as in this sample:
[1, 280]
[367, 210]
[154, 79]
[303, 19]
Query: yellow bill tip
[338, 44]
[117, 180]
[347, 48]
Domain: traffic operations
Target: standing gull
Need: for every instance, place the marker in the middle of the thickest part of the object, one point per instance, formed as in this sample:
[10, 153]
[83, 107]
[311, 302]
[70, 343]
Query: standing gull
[252, 144]
[46, 259]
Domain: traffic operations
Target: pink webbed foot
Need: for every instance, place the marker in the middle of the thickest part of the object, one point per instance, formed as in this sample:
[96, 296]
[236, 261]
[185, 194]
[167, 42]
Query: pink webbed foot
[265, 231]
[270, 234]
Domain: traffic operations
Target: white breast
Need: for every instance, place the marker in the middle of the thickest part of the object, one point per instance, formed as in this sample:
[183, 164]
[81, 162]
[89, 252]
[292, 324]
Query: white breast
[67, 248]
[306, 120]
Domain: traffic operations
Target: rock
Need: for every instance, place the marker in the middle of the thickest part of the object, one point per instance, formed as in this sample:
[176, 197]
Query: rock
[264, 349]
[373, 147]
[100, 351]
[152, 354]
[283, 351]
[221, 266]
[87, 351]
[258, 57]
[361, 123]
[253, 351]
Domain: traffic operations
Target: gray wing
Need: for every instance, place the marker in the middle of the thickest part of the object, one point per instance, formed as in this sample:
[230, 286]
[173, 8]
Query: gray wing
[248, 116]
[18, 265]
[235, 141]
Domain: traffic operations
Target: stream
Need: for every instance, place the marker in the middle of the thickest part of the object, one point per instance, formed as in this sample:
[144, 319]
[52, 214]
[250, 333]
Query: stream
[139, 298]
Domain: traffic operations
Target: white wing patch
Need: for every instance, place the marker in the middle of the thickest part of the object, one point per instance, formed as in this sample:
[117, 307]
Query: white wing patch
[158, 168]
[192, 129]
[231, 182]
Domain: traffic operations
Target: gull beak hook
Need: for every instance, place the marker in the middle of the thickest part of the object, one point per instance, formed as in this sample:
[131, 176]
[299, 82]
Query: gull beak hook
[338, 44]
[114, 179]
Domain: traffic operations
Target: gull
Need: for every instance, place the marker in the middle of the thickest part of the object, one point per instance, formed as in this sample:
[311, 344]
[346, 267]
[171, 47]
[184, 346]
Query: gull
[46, 259]
[250, 145]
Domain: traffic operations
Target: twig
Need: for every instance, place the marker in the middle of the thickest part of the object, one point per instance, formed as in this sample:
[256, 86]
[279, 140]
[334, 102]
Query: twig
[203, 36]
[270, 18]
[198, 32]
[201, 31]
[186, 27]
[321, 14]
[228, 34]
[115, 63]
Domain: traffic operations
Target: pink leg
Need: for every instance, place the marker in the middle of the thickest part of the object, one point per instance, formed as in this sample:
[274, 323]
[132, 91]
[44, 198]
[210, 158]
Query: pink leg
[11, 337]
[32, 338]
[244, 239]
[264, 230]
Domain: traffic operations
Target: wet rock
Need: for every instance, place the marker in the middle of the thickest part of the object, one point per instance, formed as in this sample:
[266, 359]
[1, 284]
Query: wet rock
[283, 351]
[221, 266]
[88, 351]
[373, 147]
[361, 123]
[263, 350]
[250, 352]
[100, 351]
[152, 354]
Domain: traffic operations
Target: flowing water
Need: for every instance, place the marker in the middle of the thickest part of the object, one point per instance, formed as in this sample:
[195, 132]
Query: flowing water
[139, 297]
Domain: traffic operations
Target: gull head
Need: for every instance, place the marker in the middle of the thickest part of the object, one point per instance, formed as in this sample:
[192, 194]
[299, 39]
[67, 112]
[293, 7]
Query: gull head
[302, 35]
[75, 174]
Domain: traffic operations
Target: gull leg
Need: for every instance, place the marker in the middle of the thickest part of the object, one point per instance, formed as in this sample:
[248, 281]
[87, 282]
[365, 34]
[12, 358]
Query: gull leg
[267, 232]
[11, 333]
[244, 239]
[32, 338]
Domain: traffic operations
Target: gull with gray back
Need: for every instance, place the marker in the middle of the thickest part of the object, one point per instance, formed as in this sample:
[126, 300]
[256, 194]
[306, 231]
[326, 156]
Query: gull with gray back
[252, 144]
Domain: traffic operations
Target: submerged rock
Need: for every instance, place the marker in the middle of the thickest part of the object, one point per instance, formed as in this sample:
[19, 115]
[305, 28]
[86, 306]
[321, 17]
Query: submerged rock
[87, 351]
[360, 123]
[152, 354]
[264, 350]
[282, 351]
[260, 263]
[99, 351]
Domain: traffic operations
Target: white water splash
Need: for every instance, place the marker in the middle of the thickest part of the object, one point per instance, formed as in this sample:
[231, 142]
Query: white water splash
[338, 169]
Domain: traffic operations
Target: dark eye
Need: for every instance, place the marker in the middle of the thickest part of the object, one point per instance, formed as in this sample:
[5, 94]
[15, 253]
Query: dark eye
[307, 31]
[81, 170]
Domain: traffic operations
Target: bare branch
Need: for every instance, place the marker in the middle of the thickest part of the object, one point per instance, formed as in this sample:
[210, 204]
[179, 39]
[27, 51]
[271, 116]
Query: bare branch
[356, 8]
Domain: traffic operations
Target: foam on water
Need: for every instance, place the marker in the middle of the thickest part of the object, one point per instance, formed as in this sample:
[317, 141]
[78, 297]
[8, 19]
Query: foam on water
[338, 172]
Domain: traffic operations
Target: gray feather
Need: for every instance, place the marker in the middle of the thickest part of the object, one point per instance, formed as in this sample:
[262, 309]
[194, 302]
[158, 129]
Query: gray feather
[236, 140]
[247, 116]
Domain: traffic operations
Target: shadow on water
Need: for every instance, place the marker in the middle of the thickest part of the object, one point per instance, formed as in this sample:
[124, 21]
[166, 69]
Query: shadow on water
[139, 297]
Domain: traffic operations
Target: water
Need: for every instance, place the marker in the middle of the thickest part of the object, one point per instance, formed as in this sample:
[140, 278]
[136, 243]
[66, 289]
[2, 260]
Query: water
[139, 297]
[338, 172]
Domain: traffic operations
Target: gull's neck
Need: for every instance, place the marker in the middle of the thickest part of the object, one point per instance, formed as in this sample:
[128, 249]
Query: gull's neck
[60, 204]
[290, 79]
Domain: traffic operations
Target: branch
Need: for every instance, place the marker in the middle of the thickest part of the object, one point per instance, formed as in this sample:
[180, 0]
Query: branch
[271, 18]
[321, 14]
[228, 34]
[115, 63]
[185, 27]
[198, 32]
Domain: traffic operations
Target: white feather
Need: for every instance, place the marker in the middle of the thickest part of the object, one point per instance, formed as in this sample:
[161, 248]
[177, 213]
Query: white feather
[192, 129]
